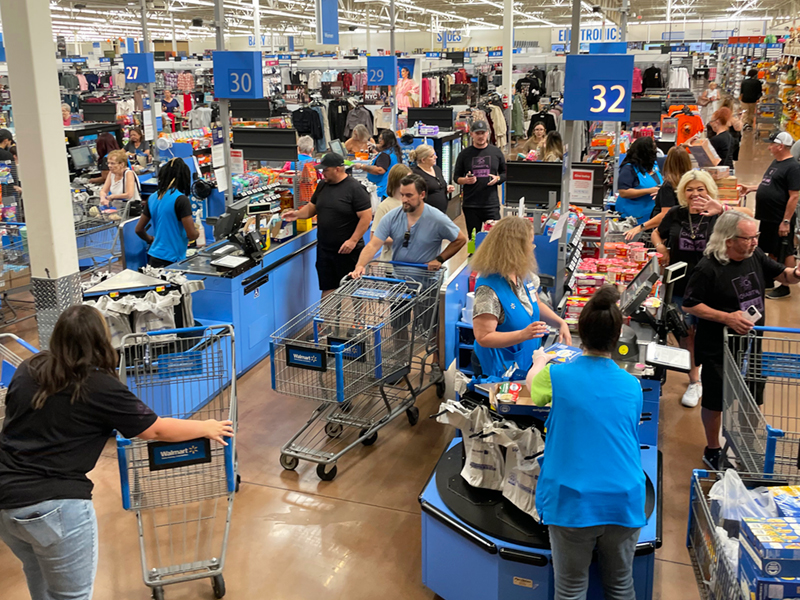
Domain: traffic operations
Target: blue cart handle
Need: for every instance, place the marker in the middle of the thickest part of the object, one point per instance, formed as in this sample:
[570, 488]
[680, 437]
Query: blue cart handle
[21, 342]
[198, 329]
[385, 279]
[409, 264]
[777, 329]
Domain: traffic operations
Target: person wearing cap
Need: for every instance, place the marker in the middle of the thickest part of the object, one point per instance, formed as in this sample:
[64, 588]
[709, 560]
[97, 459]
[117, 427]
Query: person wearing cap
[776, 200]
[344, 211]
[6, 141]
[480, 168]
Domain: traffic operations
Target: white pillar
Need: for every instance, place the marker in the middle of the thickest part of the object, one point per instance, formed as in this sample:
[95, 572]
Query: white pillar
[257, 23]
[369, 35]
[174, 36]
[40, 137]
[508, 54]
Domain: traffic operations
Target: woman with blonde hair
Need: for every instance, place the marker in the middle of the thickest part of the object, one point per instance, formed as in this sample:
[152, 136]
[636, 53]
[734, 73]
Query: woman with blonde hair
[508, 319]
[426, 167]
[391, 202]
[553, 147]
[359, 140]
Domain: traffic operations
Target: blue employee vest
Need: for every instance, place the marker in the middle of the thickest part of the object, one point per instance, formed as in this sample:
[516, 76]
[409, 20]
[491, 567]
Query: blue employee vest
[641, 207]
[496, 361]
[170, 236]
[591, 470]
[382, 180]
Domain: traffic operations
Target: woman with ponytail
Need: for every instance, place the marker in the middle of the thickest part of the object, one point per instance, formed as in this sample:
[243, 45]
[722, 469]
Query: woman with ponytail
[591, 490]
[170, 211]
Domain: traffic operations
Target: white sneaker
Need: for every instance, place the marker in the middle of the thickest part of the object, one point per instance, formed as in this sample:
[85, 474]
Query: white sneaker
[692, 395]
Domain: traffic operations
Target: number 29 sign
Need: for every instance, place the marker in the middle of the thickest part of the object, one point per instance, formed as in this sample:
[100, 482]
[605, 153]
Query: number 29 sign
[382, 70]
[598, 87]
[238, 75]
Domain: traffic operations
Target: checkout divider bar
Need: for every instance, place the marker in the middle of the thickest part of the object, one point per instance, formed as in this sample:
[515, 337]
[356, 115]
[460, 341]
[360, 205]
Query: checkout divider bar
[256, 280]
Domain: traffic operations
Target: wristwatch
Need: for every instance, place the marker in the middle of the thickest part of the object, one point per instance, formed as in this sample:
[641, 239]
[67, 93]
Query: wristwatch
[786, 221]
[440, 259]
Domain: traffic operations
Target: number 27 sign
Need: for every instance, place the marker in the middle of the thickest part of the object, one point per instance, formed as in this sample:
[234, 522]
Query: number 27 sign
[139, 68]
[598, 87]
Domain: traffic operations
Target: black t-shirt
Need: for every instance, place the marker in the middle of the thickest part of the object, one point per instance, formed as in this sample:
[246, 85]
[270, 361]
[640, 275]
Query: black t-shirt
[46, 453]
[751, 90]
[686, 240]
[183, 208]
[337, 208]
[727, 288]
[665, 198]
[723, 143]
[384, 161]
[772, 195]
[437, 188]
[482, 163]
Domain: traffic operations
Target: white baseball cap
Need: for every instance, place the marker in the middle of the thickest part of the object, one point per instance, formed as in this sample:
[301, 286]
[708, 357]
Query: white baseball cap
[783, 138]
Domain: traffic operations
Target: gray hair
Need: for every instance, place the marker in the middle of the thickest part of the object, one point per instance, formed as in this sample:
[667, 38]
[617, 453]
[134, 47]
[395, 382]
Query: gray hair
[726, 228]
[361, 133]
[306, 145]
[67, 106]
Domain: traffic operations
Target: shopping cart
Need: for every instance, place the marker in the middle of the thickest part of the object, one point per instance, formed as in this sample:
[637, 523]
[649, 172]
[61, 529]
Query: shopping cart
[362, 353]
[97, 231]
[176, 489]
[9, 361]
[762, 366]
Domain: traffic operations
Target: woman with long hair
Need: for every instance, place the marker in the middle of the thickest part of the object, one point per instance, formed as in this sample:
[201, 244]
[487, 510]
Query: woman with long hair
[122, 183]
[639, 180]
[61, 407]
[591, 491]
[389, 155]
[508, 319]
[723, 141]
[677, 163]
[170, 211]
[359, 140]
[425, 158]
[106, 143]
[407, 90]
[553, 148]
[537, 140]
[389, 203]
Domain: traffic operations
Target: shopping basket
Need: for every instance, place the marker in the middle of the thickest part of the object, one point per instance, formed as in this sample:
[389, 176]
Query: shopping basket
[9, 361]
[178, 489]
[761, 400]
[362, 352]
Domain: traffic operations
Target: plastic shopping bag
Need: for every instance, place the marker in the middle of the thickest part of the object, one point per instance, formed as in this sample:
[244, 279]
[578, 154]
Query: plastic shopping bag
[116, 314]
[731, 502]
[522, 471]
[155, 312]
[484, 466]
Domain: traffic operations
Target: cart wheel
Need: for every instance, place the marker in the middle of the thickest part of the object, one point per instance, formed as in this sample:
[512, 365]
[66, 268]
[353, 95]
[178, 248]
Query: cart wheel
[289, 462]
[326, 475]
[238, 482]
[413, 415]
[440, 389]
[370, 440]
[333, 429]
[218, 583]
[158, 593]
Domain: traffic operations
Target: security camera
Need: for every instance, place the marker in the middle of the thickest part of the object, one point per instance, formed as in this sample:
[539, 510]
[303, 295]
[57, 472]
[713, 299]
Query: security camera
[197, 22]
[597, 9]
[353, 27]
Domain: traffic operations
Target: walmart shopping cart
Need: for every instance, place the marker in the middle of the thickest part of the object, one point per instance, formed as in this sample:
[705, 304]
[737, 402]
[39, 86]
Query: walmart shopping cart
[763, 366]
[178, 489]
[362, 352]
[9, 361]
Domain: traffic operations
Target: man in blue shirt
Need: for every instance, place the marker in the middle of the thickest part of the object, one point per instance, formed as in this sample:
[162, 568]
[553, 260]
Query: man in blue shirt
[416, 229]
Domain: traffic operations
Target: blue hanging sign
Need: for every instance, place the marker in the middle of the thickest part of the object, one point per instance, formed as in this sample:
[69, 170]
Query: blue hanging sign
[598, 87]
[105, 60]
[291, 43]
[238, 75]
[381, 70]
[139, 68]
[327, 21]
[284, 57]
[495, 53]
[433, 55]
[130, 45]
[608, 48]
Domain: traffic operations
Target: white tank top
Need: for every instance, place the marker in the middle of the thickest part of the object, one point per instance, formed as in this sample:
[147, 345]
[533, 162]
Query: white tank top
[118, 185]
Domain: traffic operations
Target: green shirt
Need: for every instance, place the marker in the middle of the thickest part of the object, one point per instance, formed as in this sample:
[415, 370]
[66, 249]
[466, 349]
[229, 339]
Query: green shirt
[542, 387]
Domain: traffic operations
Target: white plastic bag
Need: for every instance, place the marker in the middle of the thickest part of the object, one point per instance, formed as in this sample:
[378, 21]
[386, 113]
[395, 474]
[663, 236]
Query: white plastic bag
[484, 466]
[522, 470]
[155, 312]
[736, 502]
[116, 314]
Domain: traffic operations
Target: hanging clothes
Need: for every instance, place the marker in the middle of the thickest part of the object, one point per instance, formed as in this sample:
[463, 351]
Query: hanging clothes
[653, 78]
[636, 87]
[306, 122]
[555, 81]
[346, 79]
[337, 117]
[679, 79]
[517, 117]
[324, 142]
[315, 80]
[360, 115]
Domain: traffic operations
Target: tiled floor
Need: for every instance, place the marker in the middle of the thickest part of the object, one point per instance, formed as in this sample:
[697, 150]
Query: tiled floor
[294, 537]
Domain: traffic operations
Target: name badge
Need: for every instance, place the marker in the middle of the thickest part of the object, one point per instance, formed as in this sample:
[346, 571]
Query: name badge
[532, 292]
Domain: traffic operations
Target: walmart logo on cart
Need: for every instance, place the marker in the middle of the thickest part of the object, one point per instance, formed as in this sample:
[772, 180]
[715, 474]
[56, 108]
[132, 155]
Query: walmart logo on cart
[183, 453]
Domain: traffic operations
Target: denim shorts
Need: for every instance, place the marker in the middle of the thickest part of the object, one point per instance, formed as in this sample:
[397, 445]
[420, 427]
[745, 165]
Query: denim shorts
[691, 320]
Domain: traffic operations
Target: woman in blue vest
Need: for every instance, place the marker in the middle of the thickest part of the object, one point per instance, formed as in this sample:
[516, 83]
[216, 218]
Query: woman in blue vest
[169, 211]
[389, 155]
[508, 319]
[639, 180]
[591, 491]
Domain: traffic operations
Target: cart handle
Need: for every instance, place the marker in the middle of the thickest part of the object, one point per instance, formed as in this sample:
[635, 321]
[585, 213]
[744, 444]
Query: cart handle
[409, 264]
[385, 279]
[182, 330]
[20, 341]
[777, 329]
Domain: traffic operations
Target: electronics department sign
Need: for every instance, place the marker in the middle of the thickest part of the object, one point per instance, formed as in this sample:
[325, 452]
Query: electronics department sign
[588, 34]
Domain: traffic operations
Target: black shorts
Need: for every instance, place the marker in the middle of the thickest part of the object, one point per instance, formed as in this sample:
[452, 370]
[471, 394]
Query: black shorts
[745, 352]
[332, 266]
[772, 243]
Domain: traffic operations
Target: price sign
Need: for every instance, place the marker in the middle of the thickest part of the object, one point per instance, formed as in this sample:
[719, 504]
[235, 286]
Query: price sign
[238, 75]
[139, 68]
[589, 96]
[382, 70]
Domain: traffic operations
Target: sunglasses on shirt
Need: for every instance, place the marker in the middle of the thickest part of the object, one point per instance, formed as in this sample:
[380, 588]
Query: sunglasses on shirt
[406, 237]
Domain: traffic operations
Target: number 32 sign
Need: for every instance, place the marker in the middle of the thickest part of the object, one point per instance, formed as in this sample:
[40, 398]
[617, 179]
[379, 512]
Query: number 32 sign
[589, 96]
[238, 75]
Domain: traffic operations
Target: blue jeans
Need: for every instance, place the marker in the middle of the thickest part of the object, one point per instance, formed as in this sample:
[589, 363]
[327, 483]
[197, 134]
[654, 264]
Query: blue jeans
[56, 541]
[572, 555]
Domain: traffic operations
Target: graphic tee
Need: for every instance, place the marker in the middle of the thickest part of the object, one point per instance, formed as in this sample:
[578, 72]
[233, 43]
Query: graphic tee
[338, 205]
[780, 178]
[483, 163]
[686, 240]
[727, 288]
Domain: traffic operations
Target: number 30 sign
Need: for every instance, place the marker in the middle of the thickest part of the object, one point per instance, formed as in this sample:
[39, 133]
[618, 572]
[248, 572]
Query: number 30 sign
[588, 96]
[238, 75]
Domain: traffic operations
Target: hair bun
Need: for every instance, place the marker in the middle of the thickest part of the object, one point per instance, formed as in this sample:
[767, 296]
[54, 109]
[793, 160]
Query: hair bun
[606, 297]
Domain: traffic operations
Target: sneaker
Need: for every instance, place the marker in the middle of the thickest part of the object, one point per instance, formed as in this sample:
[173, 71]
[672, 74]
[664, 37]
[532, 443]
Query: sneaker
[781, 291]
[712, 458]
[692, 395]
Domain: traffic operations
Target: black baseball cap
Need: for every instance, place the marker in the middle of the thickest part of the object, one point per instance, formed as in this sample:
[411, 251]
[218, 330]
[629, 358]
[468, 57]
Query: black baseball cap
[331, 160]
[5, 134]
[480, 126]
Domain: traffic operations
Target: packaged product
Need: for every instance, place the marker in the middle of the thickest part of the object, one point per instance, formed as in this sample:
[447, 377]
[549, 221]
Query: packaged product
[787, 499]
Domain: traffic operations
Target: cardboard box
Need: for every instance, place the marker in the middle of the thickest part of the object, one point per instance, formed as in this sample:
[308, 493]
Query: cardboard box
[18, 279]
[773, 545]
[757, 586]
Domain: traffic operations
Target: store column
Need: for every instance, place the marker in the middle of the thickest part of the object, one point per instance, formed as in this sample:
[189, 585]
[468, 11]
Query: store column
[39, 133]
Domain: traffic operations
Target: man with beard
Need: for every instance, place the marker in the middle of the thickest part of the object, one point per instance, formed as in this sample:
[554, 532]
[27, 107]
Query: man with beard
[416, 229]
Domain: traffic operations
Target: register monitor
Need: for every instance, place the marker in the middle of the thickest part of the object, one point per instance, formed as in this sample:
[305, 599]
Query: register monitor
[82, 157]
[338, 148]
[638, 289]
[231, 221]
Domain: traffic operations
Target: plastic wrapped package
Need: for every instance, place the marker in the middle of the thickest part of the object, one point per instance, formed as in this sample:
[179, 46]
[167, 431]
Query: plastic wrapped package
[155, 312]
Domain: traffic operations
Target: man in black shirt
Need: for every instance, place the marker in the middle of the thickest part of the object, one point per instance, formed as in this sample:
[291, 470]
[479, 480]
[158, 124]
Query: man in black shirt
[480, 168]
[776, 201]
[6, 141]
[344, 212]
[751, 92]
[726, 284]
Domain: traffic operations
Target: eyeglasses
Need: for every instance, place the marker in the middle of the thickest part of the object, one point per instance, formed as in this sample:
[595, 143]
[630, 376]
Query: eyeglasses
[749, 238]
[406, 237]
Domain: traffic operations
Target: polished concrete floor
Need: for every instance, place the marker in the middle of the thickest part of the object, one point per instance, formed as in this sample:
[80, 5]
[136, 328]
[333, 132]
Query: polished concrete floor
[294, 537]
